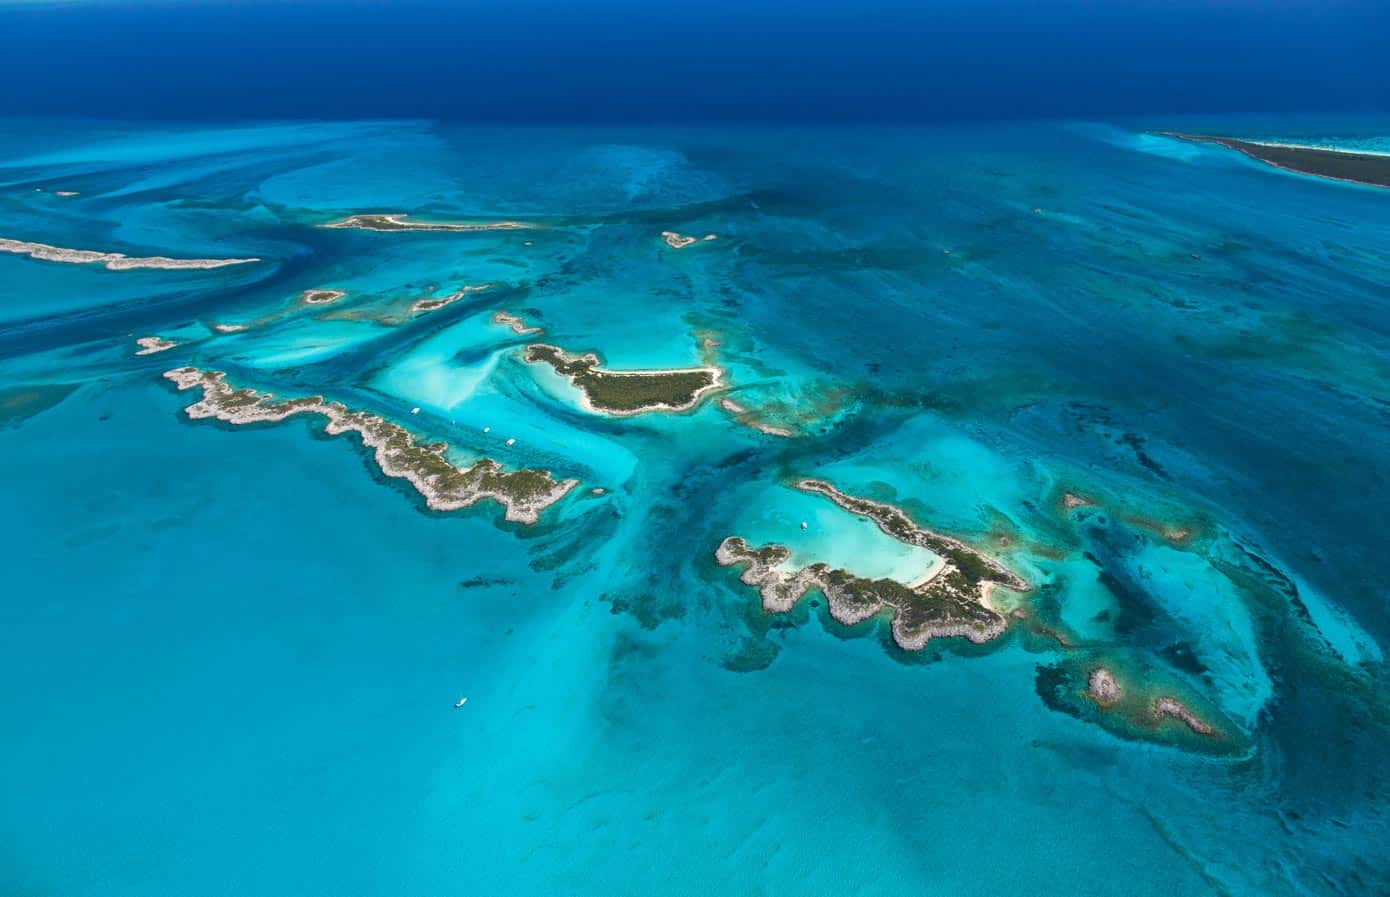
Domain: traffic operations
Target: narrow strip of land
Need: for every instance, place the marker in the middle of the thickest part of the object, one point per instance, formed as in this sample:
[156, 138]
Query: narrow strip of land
[113, 261]
[1372, 169]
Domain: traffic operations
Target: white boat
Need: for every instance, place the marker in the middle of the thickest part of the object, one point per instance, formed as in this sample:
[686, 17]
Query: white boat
[460, 702]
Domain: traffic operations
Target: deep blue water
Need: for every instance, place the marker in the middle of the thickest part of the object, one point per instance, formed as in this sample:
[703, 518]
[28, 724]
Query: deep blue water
[537, 61]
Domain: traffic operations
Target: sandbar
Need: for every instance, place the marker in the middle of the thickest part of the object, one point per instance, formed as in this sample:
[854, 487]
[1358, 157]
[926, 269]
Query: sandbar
[398, 222]
[113, 261]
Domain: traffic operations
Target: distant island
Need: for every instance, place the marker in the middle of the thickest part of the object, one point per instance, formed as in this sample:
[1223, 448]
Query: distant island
[1334, 164]
[949, 601]
[517, 324]
[114, 261]
[680, 241]
[149, 345]
[399, 223]
[434, 303]
[320, 296]
[524, 494]
[625, 393]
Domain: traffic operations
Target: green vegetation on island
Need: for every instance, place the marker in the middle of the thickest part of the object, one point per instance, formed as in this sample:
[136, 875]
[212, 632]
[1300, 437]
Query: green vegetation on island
[627, 392]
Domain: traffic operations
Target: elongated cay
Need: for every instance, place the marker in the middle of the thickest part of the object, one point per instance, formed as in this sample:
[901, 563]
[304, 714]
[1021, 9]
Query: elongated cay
[623, 393]
[524, 494]
[399, 223]
[1333, 164]
[113, 261]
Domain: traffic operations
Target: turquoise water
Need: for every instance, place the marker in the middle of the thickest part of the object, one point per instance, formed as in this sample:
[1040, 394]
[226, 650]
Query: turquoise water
[233, 652]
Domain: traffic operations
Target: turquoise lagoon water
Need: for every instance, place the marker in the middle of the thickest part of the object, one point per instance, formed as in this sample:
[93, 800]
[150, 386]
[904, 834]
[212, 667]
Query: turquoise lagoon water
[233, 652]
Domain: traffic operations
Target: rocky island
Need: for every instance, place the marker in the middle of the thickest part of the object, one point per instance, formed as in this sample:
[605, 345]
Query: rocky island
[680, 241]
[1138, 704]
[518, 325]
[1334, 164]
[320, 297]
[435, 303]
[950, 601]
[112, 261]
[399, 223]
[149, 345]
[524, 494]
[625, 393]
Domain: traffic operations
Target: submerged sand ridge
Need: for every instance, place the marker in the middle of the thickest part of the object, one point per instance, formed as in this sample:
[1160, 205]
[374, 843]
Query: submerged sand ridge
[113, 261]
[524, 494]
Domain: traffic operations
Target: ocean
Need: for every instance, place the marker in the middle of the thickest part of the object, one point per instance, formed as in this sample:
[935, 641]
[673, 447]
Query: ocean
[233, 651]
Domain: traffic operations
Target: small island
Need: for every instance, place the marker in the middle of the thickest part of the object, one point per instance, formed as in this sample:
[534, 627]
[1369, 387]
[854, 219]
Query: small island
[112, 261]
[1333, 164]
[680, 241]
[149, 345]
[1103, 687]
[435, 303]
[400, 223]
[320, 297]
[518, 325]
[749, 419]
[950, 601]
[524, 494]
[1172, 708]
[625, 393]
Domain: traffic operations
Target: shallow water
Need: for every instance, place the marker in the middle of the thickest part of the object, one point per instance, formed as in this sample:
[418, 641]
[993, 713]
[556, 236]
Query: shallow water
[234, 651]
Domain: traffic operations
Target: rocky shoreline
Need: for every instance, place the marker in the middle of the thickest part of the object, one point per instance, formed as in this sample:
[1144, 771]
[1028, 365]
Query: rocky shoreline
[524, 494]
[1172, 708]
[949, 602]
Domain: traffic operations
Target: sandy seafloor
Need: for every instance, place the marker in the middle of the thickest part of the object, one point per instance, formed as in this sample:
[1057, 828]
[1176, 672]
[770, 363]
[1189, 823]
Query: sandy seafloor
[231, 655]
